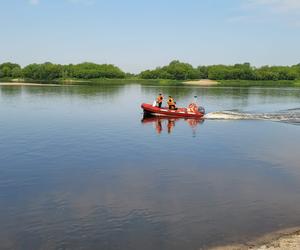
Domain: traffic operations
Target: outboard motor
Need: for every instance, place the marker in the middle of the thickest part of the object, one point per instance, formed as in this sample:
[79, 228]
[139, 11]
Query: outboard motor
[201, 110]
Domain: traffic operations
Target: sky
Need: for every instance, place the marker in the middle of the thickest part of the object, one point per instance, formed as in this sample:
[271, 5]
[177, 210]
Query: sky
[142, 34]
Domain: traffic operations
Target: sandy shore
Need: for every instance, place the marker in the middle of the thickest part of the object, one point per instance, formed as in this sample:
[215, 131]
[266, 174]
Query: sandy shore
[203, 82]
[26, 84]
[282, 240]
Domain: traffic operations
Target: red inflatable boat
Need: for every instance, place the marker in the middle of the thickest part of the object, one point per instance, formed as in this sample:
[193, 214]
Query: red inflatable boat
[193, 111]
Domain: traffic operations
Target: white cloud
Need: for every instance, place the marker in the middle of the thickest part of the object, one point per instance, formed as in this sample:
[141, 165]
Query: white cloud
[268, 11]
[34, 2]
[283, 6]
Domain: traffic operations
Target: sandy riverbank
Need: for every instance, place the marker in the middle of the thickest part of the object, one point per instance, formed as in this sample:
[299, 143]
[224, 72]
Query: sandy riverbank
[202, 82]
[26, 84]
[282, 240]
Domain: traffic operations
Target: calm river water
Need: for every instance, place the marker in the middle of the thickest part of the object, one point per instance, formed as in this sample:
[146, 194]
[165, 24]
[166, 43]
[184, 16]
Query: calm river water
[81, 169]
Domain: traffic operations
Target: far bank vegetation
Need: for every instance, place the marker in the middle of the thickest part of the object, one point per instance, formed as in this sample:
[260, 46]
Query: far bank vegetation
[176, 70]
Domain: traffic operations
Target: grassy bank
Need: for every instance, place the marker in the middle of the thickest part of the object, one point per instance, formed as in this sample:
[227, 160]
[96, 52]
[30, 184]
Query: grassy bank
[119, 81]
[100, 81]
[252, 83]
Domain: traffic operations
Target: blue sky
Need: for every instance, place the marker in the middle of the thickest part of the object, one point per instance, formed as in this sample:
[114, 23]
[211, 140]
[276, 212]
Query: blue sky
[141, 34]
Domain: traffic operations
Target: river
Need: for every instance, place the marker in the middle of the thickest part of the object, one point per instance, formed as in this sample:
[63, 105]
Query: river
[80, 168]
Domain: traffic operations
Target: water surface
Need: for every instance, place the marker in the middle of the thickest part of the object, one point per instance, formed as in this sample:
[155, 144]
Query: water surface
[81, 169]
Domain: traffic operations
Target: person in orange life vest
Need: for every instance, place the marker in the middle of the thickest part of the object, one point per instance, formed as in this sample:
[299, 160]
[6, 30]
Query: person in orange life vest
[159, 100]
[171, 103]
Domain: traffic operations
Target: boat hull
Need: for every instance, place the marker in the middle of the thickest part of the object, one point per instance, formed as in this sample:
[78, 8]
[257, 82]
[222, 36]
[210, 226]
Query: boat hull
[180, 112]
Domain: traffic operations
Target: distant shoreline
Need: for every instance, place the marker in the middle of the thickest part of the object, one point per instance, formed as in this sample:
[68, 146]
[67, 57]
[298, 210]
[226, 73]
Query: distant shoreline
[175, 71]
[158, 82]
[27, 84]
[202, 82]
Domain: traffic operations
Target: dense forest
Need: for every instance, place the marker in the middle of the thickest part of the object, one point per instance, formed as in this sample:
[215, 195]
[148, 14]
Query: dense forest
[184, 71]
[176, 70]
[49, 71]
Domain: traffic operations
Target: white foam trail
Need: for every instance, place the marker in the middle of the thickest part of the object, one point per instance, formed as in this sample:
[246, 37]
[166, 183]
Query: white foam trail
[230, 115]
[225, 115]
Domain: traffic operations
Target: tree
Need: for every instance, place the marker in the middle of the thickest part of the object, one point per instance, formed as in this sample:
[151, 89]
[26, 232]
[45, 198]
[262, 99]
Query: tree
[49, 71]
[6, 71]
[176, 70]
[7, 68]
[16, 72]
[91, 70]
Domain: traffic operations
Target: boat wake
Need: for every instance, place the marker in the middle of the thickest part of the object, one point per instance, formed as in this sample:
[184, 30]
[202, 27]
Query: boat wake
[288, 116]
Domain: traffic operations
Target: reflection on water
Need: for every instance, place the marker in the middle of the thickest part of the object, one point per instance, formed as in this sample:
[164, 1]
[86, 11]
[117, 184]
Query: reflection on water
[79, 170]
[168, 123]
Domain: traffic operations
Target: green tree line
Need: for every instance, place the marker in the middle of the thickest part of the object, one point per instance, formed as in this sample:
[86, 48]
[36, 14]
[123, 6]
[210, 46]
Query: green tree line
[49, 71]
[183, 71]
[176, 70]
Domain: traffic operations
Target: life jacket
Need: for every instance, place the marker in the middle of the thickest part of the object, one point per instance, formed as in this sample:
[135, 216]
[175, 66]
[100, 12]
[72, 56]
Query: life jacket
[171, 102]
[159, 99]
[192, 108]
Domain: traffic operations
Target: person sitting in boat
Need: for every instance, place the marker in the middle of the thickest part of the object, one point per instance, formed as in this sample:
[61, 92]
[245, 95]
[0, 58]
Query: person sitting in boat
[159, 100]
[171, 103]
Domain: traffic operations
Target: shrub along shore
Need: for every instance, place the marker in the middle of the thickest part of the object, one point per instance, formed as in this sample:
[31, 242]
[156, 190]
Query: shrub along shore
[174, 73]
